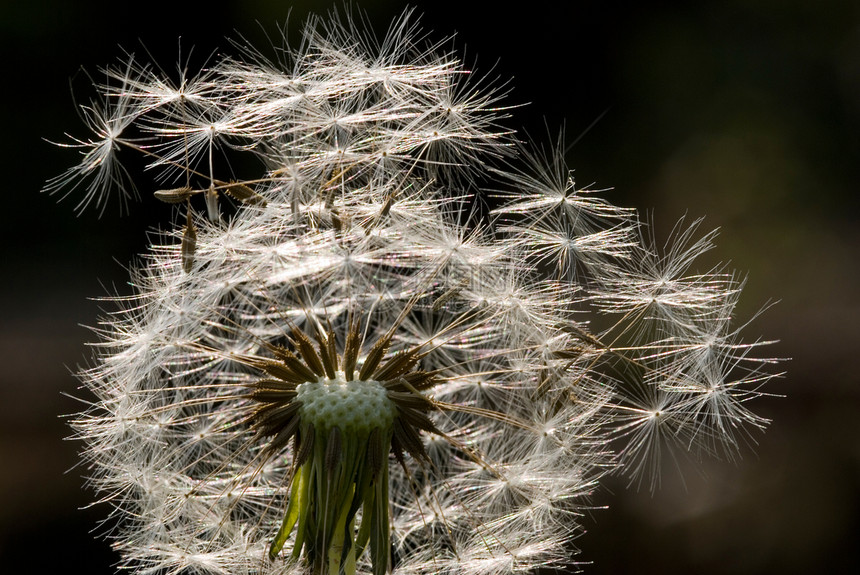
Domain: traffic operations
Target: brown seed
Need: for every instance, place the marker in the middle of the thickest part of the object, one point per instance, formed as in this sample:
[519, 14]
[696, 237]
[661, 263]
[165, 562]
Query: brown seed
[175, 195]
[410, 440]
[291, 361]
[328, 351]
[415, 380]
[351, 349]
[283, 371]
[284, 434]
[189, 243]
[273, 395]
[272, 417]
[418, 420]
[448, 295]
[245, 194]
[309, 354]
[374, 356]
[410, 400]
[399, 364]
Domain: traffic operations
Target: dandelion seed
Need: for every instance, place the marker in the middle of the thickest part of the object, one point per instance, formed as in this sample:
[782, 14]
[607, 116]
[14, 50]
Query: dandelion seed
[100, 170]
[175, 195]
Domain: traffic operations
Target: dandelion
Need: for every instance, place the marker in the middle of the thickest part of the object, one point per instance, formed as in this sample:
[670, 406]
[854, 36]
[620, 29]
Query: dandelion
[359, 361]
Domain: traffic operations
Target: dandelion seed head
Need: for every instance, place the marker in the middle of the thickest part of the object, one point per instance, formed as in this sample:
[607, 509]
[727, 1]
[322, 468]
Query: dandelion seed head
[360, 361]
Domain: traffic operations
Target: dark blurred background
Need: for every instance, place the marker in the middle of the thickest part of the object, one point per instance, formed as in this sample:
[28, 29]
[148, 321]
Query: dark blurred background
[746, 112]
